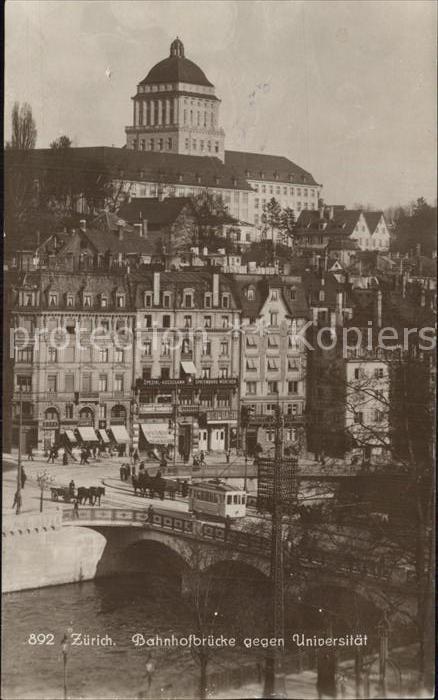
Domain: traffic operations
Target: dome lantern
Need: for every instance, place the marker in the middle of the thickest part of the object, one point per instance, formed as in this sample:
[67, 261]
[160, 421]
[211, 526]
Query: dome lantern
[177, 48]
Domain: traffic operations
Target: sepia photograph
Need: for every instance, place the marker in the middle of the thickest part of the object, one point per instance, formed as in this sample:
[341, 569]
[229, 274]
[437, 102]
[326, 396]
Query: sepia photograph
[219, 349]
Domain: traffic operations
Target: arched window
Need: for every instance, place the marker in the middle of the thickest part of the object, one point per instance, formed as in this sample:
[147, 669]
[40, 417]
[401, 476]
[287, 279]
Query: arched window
[86, 415]
[118, 412]
[51, 414]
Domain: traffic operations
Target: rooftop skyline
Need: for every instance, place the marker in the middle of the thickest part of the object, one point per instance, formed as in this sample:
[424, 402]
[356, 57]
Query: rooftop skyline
[344, 89]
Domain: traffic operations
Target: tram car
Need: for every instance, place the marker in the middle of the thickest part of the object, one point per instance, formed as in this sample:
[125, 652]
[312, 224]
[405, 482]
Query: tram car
[216, 499]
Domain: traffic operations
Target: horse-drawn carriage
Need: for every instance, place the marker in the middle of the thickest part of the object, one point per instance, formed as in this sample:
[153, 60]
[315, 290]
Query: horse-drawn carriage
[92, 494]
[62, 493]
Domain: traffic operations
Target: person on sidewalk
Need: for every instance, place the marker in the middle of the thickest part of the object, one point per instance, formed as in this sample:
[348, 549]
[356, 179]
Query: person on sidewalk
[75, 509]
[30, 454]
[17, 499]
[23, 477]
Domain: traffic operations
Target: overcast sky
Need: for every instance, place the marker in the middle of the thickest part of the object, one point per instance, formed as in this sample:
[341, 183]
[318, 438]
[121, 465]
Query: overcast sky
[346, 89]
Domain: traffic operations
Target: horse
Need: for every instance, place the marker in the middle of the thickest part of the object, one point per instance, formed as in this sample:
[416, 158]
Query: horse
[83, 494]
[95, 494]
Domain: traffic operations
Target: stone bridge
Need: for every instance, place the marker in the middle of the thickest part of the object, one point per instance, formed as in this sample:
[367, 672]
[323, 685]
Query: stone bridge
[189, 543]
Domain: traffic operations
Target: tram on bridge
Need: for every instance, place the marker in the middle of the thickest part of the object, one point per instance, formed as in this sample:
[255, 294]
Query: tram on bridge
[217, 499]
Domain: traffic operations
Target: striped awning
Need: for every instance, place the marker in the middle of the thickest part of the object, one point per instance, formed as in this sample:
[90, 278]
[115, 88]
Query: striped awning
[120, 434]
[71, 437]
[88, 434]
[188, 367]
[157, 433]
[103, 435]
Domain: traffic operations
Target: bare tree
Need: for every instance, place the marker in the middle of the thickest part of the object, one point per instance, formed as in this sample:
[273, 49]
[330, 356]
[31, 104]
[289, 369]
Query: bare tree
[24, 132]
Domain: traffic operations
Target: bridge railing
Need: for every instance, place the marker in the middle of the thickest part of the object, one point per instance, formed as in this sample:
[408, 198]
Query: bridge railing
[214, 532]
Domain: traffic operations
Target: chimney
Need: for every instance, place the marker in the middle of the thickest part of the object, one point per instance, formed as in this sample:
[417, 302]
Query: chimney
[139, 229]
[38, 239]
[156, 300]
[423, 297]
[331, 213]
[205, 251]
[379, 308]
[215, 289]
[120, 233]
[144, 224]
[83, 224]
[418, 249]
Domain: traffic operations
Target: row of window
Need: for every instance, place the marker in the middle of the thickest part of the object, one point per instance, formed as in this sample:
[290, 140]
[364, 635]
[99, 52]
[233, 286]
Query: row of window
[292, 191]
[153, 144]
[188, 300]
[86, 299]
[154, 112]
[272, 364]
[199, 118]
[292, 409]
[273, 387]
[210, 497]
[364, 417]
[53, 383]
[186, 347]
[203, 145]
[68, 355]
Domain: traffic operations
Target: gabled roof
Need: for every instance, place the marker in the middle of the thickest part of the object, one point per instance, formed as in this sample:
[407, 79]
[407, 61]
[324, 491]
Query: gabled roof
[127, 164]
[372, 218]
[251, 308]
[156, 212]
[251, 165]
[131, 243]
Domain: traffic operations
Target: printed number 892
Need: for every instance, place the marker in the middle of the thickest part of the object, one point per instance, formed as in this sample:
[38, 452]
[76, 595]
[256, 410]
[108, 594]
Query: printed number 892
[41, 638]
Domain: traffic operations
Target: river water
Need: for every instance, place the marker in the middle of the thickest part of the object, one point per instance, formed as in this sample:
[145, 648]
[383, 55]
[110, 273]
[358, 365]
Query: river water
[120, 607]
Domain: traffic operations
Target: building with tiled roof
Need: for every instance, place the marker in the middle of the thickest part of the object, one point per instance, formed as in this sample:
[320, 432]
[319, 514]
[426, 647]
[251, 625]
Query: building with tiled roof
[316, 230]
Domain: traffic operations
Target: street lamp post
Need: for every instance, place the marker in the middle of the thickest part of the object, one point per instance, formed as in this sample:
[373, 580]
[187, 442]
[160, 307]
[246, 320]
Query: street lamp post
[64, 647]
[19, 466]
[150, 668]
[274, 678]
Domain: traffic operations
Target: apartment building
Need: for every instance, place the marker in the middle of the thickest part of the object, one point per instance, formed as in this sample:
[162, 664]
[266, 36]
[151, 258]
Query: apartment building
[273, 364]
[187, 359]
[69, 373]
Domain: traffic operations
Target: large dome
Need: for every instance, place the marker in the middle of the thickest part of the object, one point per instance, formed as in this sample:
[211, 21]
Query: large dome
[176, 69]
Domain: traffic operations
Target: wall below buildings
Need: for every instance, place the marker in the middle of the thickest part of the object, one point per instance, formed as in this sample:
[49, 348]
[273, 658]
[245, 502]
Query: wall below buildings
[37, 551]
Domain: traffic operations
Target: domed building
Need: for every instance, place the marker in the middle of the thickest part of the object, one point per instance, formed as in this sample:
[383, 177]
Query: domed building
[176, 109]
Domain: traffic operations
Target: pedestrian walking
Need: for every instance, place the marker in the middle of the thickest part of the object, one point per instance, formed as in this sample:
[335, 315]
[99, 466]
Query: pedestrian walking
[136, 456]
[71, 488]
[228, 455]
[202, 458]
[17, 499]
[51, 457]
[23, 477]
[30, 454]
[76, 509]
[65, 458]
